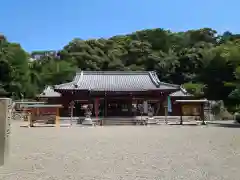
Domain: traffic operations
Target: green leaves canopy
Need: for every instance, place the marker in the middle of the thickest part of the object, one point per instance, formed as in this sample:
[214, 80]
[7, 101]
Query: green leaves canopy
[204, 61]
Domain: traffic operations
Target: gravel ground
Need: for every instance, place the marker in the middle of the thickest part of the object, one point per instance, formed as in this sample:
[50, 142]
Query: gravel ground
[124, 152]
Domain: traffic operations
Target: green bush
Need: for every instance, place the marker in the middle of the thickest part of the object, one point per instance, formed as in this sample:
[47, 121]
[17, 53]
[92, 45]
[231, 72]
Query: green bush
[225, 115]
[237, 117]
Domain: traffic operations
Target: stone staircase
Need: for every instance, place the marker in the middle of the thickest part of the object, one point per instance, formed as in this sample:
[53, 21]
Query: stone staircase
[118, 121]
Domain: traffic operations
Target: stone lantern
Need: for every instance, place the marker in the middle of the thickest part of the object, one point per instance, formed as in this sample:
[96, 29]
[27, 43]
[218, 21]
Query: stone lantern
[88, 112]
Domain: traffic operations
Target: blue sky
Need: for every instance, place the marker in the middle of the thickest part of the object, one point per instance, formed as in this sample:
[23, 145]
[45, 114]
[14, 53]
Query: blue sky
[51, 24]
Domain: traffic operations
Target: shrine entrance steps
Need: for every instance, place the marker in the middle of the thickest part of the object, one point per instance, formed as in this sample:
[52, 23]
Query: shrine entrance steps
[126, 120]
[118, 121]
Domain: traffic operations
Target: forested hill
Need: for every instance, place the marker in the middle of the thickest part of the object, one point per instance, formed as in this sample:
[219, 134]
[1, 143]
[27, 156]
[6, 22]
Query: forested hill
[206, 62]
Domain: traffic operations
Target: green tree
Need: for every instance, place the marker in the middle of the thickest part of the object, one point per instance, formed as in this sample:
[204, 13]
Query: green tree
[206, 64]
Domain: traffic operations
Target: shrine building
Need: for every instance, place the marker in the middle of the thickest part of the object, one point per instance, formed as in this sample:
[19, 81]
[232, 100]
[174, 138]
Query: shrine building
[116, 93]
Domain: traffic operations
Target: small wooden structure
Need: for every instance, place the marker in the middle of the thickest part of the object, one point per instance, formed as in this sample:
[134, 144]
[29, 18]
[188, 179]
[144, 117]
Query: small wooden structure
[49, 95]
[191, 107]
[19, 111]
[182, 94]
[44, 112]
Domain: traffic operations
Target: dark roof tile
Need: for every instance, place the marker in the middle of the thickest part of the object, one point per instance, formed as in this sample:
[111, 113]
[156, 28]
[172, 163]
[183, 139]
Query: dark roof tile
[116, 81]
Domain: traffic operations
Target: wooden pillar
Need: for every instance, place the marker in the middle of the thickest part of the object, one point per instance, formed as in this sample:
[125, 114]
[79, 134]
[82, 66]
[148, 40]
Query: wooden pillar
[29, 120]
[166, 115]
[130, 106]
[181, 114]
[71, 112]
[30, 117]
[37, 111]
[202, 113]
[134, 101]
[96, 107]
[158, 108]
[105, 106]
[57, 120]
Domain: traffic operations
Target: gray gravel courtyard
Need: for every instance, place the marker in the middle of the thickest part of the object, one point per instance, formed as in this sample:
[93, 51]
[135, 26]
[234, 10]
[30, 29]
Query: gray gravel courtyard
[124, 152]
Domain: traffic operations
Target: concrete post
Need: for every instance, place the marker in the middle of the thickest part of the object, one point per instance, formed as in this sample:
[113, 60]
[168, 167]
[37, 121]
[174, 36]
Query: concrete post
[5, 121]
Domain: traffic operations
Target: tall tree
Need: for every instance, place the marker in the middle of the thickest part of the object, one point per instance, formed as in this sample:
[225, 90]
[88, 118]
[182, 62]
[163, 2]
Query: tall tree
[206, 63]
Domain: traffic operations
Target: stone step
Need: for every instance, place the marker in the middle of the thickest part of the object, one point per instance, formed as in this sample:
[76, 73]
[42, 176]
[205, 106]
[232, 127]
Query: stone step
[118, 122]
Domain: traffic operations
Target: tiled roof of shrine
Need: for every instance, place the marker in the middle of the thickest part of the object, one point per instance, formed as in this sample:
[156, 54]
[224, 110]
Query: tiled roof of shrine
[117, 81]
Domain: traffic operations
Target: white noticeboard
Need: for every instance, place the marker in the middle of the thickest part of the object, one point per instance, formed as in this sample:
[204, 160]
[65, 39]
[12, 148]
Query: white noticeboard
[5, 121]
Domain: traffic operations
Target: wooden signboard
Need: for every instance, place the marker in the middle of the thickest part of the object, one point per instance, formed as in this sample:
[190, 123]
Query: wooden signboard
[191, 110]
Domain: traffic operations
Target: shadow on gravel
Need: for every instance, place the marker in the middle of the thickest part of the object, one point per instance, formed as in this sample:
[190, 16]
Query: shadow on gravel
[225, 125]
[184, 124]
[37, 126]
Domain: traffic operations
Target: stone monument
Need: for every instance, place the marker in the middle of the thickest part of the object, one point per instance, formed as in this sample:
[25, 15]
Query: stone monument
[5, 121]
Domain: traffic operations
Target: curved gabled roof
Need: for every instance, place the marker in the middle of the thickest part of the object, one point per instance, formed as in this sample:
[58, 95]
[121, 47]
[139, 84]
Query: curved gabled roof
[117, 81]
[49, 92]
[181, 93]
